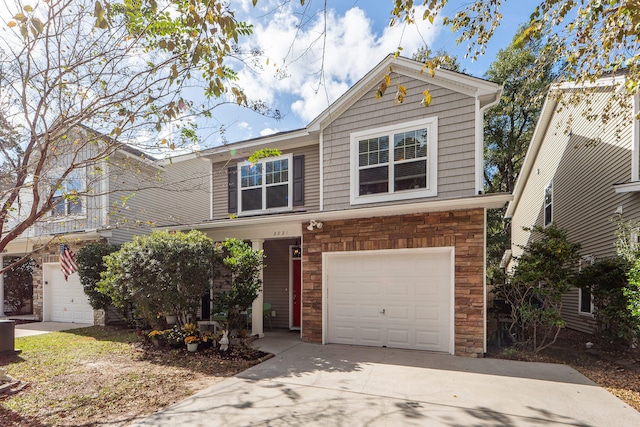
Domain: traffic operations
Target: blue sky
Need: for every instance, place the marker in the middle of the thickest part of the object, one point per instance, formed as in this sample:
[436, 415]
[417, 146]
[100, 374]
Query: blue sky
[302, 69]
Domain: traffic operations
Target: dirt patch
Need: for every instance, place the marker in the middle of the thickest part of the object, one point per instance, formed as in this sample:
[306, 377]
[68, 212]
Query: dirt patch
[615, 369]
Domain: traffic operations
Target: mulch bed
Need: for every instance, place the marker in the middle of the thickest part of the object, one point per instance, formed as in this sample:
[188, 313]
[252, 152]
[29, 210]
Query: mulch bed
[613, 368]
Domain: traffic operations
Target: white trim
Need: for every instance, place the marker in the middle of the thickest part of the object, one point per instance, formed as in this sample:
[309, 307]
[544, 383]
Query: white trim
[264, 186]
[635, 135]
[479, 140]
[545, 204]
[291, 259]
[484, 284]
[104, 198]
[484, 201]
[458, 82]
[628, 187]
[431, 123]
[326, 256]
[211, 184]
[321, 154]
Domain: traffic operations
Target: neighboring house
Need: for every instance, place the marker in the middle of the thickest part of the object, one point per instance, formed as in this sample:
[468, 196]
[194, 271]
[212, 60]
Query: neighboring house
[373, 219]
[579, 174]
[125, 195]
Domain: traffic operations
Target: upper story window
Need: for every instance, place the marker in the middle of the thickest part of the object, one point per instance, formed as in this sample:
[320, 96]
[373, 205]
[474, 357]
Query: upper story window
[548, 204]
[67, 199]
[395, 162]
[266, 185]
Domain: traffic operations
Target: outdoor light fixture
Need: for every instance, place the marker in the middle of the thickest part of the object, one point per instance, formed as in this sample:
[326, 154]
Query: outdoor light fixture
[314, 223]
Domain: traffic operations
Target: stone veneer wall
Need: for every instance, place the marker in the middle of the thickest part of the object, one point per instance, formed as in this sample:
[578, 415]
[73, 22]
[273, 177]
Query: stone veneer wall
[462, 229]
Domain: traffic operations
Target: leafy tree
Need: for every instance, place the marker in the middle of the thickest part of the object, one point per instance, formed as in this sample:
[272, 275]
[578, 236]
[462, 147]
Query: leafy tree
[607, 282]
[544, 273]
[18, 283]
[89, 259]
[243, 265]
[161, 273]
[525, 71]
[440, 59]
[592, 37]
[125, 69]
[525, 74]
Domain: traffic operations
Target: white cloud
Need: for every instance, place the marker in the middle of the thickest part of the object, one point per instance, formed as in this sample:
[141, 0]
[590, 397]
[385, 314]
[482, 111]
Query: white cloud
[313, 81]
[268, 131]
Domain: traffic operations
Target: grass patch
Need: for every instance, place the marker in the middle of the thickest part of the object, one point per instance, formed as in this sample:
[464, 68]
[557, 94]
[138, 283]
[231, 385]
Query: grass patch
[102, 375]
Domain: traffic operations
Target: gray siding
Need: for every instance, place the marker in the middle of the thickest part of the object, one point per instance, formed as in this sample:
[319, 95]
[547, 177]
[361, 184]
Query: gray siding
[456, 138]
[94, 185]
[276, 280]
[311, 182]
[176, 194]
[584, 166]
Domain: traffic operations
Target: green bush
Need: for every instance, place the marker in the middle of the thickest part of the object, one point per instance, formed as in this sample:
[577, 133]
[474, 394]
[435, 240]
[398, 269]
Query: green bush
[544, 273]
[90, 265]
[163, 273]
[244, 265]
[607, 281]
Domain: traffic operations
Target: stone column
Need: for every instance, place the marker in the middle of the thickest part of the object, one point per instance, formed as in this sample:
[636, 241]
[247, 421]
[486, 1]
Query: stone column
[256, 325]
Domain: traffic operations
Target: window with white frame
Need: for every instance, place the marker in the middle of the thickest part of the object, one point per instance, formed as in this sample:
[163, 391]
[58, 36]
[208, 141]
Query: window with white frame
[265, 185]
[585, 298]
[548, 204]
[67, 199]
[395, 162]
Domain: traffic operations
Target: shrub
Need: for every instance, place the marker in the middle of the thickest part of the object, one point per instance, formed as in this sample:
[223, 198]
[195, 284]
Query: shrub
[90, 265]
[244, 265]
[607, 281]
[161, 273]
[544, 273]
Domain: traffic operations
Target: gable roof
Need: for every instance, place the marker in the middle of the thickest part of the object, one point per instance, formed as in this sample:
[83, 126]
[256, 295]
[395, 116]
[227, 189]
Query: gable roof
[485, 91]
[548, 110]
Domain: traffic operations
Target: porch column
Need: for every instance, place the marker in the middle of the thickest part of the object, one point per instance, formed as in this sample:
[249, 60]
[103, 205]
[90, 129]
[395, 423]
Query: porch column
[1, 287]
[256, 325]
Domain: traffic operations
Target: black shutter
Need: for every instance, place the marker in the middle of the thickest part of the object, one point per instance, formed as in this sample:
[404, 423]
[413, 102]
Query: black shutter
[233, 190]
[298, 180]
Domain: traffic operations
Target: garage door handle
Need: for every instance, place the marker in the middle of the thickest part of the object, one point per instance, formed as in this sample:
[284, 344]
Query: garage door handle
[382, 311]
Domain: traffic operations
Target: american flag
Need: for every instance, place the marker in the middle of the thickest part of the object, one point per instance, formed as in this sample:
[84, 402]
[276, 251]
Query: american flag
[67, 261]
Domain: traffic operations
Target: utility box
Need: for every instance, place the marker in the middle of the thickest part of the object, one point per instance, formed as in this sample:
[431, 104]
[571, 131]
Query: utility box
[7, 336]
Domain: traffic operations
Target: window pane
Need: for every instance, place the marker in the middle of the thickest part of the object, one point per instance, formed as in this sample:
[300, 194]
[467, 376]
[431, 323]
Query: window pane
[75, 206]
[409, 176]
[373, 158]
[373, 144]
[364, 159]
[384, 143]
[585, 301]
[363, 146]
[277, 196]
[252, 199]
[59, 208]
[374, 180]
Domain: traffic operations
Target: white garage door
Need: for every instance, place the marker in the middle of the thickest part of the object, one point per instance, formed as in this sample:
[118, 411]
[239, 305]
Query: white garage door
[395, 298]
[65, 300]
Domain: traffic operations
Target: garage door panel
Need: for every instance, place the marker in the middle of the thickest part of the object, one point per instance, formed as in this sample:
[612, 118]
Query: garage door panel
[427, 340]
[369, 312]
[65, 300]
[396, 298]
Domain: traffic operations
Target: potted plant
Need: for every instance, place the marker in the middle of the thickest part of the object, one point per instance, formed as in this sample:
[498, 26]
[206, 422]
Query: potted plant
[192, 342]
[156, 337]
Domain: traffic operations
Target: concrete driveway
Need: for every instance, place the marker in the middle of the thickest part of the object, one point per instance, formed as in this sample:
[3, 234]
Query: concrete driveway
[332, 385]
[39, 328]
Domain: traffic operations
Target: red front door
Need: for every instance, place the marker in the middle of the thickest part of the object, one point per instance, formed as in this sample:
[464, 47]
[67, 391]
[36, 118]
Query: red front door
[296, 294]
